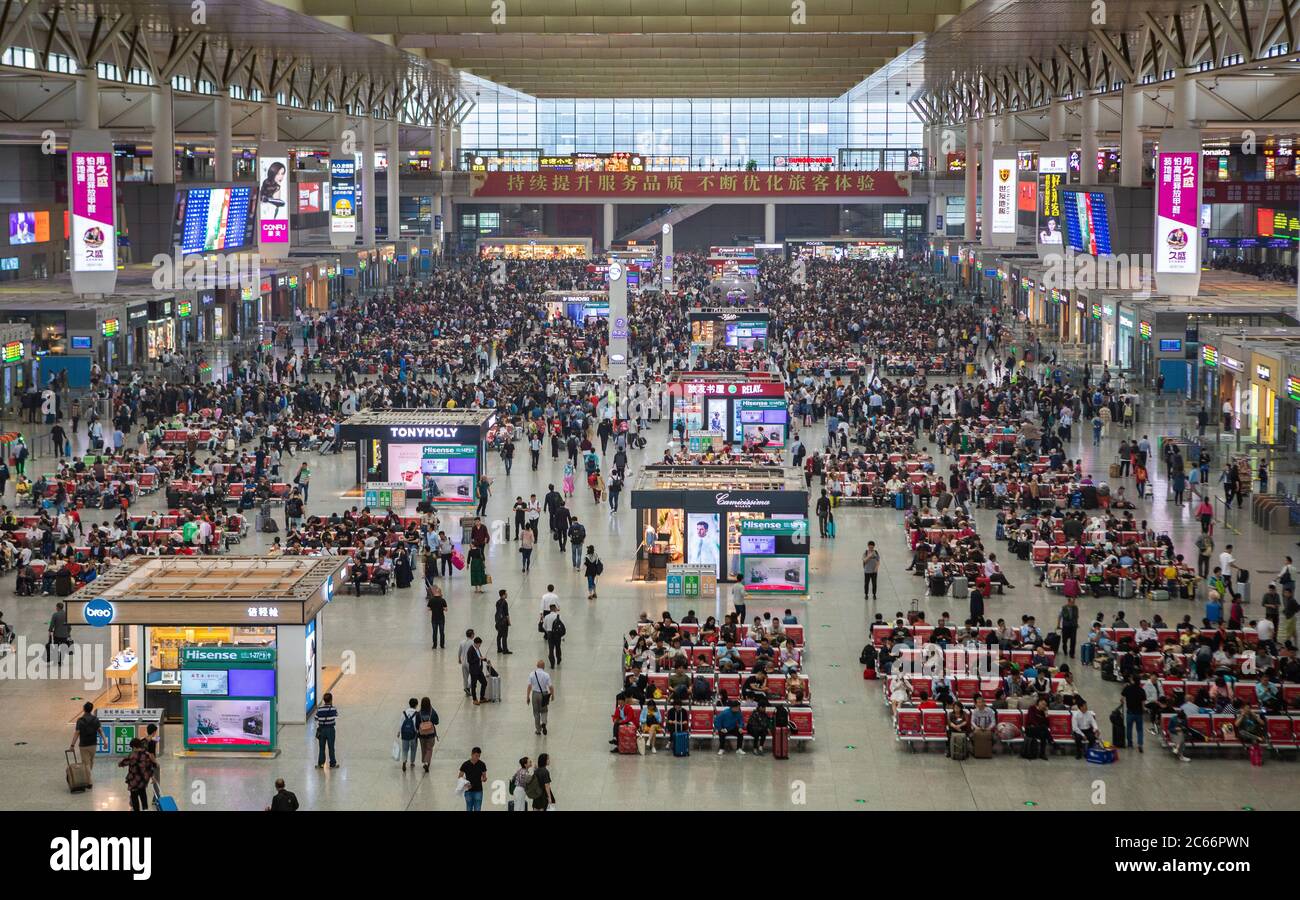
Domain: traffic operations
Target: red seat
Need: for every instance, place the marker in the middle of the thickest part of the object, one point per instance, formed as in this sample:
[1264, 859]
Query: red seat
[879, 633]
[701, 721]
[1151, 663]
[730, 684]
[1014, 716]
[1225, 728]
[1058, 724]
[747, 656]
[1202, 723]
[967, 687]
[1291, 695]
[909, 722]
[801, 718]
[921, 684]
[776, 684]
[934, 723]
[1245, 691]
[701, 656]
[1279, 731]
[1172, 687]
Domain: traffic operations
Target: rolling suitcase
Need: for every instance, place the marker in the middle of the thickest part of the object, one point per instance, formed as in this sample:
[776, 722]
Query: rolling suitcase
[1126, 589]
[1108, 669]
[493, 692]
[938, 586]
[982, 743]
[681, 743]
[77, 774]
[958, 746]
[960, 588]
[1256, 755]
[1117, 727]
[1115, 470]
[627, 740]
[163, 802]
[1086, 653]
[780, 742]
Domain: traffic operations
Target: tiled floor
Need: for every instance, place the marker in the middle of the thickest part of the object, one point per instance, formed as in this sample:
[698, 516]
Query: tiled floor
[854, 764]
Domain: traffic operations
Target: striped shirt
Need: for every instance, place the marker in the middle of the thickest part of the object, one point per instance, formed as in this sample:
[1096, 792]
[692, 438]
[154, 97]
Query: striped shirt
[326, 715]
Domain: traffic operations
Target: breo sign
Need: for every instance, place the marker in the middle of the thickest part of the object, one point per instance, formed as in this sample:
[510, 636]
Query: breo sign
[98, 612]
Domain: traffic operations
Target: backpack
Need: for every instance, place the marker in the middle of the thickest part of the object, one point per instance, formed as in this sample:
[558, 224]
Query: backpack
[408, 731]
[558, 628]
[868, 656]
[533, 789]
[700, 689]
[598, 567]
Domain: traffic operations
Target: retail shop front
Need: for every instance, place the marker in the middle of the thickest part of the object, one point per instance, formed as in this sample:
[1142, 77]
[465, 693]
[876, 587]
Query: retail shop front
[229, 646]
[1264, 371]
[1289, 403]
[437, 453]
[1224, 384]
[577, 306]
[738, 404]
[696, 514]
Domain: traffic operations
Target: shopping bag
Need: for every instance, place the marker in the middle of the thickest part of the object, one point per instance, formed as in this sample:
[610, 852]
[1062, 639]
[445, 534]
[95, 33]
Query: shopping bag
[457, 561]
[397, 750]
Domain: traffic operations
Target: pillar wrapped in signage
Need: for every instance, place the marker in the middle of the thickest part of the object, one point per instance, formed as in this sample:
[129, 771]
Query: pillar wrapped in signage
[617, 367]
[1053, 170]
[1000, 210]
[274, 207]
[343, 198]
[1177, 246]
[667, 250]
[92, 220]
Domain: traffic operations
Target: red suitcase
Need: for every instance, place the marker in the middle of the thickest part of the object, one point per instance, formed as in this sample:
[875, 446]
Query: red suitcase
[781, 743]
[627, 739]
[1256, 755]
[869, 674]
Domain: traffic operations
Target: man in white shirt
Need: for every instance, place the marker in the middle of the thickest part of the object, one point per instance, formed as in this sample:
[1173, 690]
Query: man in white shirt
[1144, 633]
[1266, 630]
[704, 545]
[540, 694]
[1228, 563]
[549, 599]
[1083, 725]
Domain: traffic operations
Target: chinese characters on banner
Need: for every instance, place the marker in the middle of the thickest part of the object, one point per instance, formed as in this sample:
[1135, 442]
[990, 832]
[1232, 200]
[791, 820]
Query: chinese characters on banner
[94, 241]
[1178, 211]
[690, 184]
[273, 199]
[1004, 196]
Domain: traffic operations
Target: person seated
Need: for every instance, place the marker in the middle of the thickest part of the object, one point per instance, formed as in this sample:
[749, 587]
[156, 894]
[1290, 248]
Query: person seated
[959, 722]
[709, 631]
[983, 717]
[679, 682]
[796, 689]
[651, 724]
[765, 655]
[728, 658]
[728, 723]
[758, 726]
[755, 686]
[1250, 727]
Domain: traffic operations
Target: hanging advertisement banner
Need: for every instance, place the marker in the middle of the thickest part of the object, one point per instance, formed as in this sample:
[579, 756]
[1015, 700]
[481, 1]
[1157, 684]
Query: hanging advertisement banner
[273, 206]
[1178, 211]
[92, 193]
[1002, 217]
[343, 197]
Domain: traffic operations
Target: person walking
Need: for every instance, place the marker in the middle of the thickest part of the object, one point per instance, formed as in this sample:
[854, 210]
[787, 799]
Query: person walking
[544, 797]
[823, 510]
[521, 510]
[1067, 625]
[519, 785]
[473, 772]
[541, 691]
[284, 800]
[60, 632]
[326, 730]
[303, 481]
[527, 541]
[437, 606]
[462, 656]
[577, 534]
[446, 547]
[870, 572]
[140, 768]
[426, 731]
[478, 575]
[407, 734]
[592, 568]
[1134, 697]
[85, 739]
[1204, 549]
[502, 622]
[554, 629]
[484, 491]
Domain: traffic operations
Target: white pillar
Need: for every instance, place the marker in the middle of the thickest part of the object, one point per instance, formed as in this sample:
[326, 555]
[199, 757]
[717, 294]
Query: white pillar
[223, 152]
[394, 190]
[448, 160]
[88, 99]
[1130, 138]
[269, 124]
[368, 204]
[972, 177]
[435, 145]
[164, 136]
[1056, 121]
[666, 249]
[769, 223]
[608, 232]
[992, 133]
[1088, 140]
[455, 146]
[1184, 102]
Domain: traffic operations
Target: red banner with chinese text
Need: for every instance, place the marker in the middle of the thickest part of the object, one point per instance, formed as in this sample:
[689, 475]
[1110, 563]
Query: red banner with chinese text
[664, 185]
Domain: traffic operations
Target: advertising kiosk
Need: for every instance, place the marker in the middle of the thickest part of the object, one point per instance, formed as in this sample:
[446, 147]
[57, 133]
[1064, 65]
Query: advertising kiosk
[576, 306]
[739, 404]
[437, 453]
[774, 557]
[740, 329]
[177, 624]
[696, 514]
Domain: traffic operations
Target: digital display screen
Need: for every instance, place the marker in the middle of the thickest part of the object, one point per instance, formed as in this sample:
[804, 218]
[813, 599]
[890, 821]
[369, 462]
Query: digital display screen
[1087, 222]
[309, 197]
[214, 218]
[29, 227]
[443, 473]
[110, 327]
[204, 682]
[229, 723]
[252, 682]
[775, 574]
[11, 352]
[704, 540]
[1171, 345]
[760, 544]
[760, 422]
[80, 343]
[745, 335]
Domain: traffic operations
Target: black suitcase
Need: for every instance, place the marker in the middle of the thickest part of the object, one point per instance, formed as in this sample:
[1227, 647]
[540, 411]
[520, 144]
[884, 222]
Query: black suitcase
[1108, 669]
[938, 586]
[1117, 728]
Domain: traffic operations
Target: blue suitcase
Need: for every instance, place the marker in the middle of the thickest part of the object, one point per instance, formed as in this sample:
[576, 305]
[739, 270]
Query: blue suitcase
[163, 802]
[681, 743]
[1086, 653]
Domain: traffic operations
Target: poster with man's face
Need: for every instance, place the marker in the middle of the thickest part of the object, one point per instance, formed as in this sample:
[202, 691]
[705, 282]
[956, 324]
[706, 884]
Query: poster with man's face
[704, 540]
